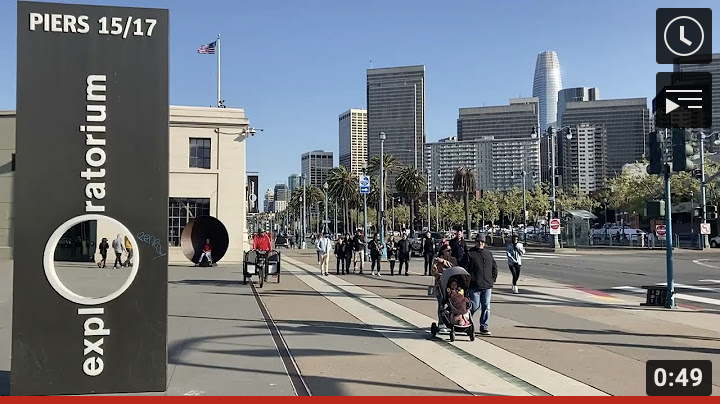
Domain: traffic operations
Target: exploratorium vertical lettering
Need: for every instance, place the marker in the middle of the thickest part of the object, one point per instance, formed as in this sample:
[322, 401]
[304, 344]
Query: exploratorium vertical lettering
[95, 141]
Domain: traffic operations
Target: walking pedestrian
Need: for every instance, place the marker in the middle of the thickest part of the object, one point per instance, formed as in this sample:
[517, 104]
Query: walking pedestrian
[118, 246]
[391, 253]
[481, 265]
[443, 261]
[403, 251]
[324, 247]
[376, 250]
[428, 252]
[458, 246]
[515, 252]
[340, 255]
[358, 251]
[104, 247]
[129, 248]
[348, 252]
[318, 250]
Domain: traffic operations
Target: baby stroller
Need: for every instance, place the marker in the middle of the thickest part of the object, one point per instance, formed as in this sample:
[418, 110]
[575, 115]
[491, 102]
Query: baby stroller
[462, 277]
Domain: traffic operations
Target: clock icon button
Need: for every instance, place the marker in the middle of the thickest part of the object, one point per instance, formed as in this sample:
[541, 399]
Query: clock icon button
[684, 35]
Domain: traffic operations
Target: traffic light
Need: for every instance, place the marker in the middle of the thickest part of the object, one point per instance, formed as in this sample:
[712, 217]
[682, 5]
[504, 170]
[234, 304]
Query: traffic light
[711, 212]
[656, 209]
[682, 150]
[697, 173]
[654, 154]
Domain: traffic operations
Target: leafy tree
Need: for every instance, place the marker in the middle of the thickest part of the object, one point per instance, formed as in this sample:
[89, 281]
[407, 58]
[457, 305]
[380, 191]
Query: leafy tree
[538, 202]
[575, 200]
[510, 202]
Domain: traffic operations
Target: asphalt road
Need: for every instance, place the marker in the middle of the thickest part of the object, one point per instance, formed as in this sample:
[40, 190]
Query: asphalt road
[696, 274]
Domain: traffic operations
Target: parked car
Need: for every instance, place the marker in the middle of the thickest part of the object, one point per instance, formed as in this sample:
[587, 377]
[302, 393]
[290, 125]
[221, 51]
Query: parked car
[715, 242]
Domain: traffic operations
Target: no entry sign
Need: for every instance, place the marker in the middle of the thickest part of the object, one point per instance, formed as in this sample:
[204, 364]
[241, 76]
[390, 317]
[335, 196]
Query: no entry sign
[92, 147]
[554, 226]
[661, 231]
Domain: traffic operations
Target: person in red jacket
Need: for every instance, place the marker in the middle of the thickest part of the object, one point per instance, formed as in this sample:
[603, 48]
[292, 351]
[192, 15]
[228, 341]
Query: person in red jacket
[206, 252]
[262, 242]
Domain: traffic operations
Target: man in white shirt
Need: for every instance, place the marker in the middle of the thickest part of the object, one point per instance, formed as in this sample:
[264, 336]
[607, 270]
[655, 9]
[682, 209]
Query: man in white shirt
[324, 246]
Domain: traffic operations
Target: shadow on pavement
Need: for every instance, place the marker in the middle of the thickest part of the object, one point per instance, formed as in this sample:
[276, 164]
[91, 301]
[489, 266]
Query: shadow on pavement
[208, 282]
[621, 333]
[616, 344]
[4, 382]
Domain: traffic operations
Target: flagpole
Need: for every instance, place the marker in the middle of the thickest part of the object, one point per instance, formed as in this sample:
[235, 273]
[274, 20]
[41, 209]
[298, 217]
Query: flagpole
[219, 98]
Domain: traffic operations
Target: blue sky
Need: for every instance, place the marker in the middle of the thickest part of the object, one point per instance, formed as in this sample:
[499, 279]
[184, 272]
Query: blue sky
[295, 65]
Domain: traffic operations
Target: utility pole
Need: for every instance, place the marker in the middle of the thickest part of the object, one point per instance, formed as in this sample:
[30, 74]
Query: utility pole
[428, 198]
[437, 211]
[382, 191]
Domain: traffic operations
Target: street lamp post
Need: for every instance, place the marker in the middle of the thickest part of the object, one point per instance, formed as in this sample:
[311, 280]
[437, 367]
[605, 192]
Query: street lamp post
[304, 212]
[428, 198]
[524, 207]
[437, 211]
[365, 216]
[382, 190]
[326, 230]
[551, 132]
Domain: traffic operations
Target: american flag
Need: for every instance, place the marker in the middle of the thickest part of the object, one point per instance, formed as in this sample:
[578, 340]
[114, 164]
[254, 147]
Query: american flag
[208, 49]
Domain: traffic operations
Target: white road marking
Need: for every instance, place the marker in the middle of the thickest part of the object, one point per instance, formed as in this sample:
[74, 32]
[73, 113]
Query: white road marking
[194, 393]
[700, 262]
[683, 286]
[680, 296]
[709, 280]
[465, 373]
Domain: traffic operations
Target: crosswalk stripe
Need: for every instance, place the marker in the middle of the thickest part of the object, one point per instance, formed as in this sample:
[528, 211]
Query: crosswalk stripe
[709, 280]
[680, 296]
[683, 286]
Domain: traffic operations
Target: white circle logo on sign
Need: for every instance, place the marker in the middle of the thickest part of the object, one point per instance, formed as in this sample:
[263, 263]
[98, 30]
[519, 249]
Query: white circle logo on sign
[51, 273]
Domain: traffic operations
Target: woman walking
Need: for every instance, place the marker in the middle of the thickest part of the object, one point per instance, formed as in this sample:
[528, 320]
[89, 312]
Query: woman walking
[376, 249]
[104, 247]
[443, 261]
[391, 254]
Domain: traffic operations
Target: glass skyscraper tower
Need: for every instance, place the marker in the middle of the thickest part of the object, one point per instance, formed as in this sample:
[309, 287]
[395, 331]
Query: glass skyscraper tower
[546, 85]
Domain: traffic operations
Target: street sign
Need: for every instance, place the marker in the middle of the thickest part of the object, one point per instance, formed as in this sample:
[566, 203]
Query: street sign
[364, 184]
[661, 231]
[705, 228]
[554, 226]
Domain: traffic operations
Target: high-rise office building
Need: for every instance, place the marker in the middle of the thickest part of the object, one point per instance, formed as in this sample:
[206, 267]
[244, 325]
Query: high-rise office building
[498, 163]
[396, 106]
[499, 122]
[282, 192]
[573, 95]
[713, 68]
[268, 204]
[353, 140]
[547, 83]
[564, 96]
[294, 182]
[315, 167]
[626, 123]
[585, 160]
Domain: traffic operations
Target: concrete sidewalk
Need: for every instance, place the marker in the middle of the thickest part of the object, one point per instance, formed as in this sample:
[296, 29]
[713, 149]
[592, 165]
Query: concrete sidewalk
[218, 341]
[593, 340]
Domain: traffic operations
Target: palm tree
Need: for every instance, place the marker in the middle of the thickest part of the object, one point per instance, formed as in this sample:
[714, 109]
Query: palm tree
[343, 186]
[313, 195]
[465, 181]
[412, 184]
[390, 164]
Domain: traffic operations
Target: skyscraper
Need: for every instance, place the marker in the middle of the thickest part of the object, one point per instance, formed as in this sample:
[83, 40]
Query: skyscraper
[315, 167]
[546, 85]
[626, 123]
[500, 122]
[564, 96]
[396, 106]
[268, 206]
[585, 160]
[294, 182]
[353, 140]
[714, 69]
